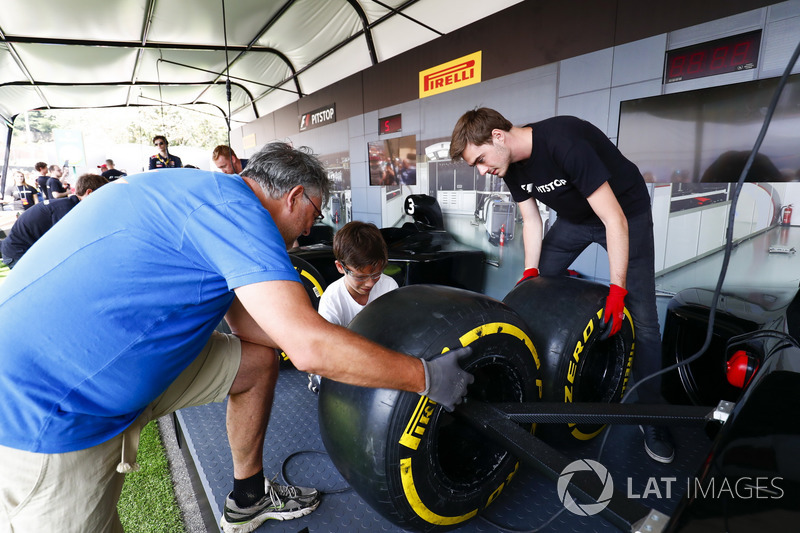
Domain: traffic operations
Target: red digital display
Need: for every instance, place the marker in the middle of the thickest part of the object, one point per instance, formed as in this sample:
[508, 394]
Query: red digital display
[730, 54]
[391, 124]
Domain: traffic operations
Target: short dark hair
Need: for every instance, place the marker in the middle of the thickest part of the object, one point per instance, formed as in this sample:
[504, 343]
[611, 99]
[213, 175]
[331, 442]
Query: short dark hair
[360, 244]
[40, 165]
[278, 168]
[89, 181]
[475, 127]
[157, 137]
[223, 150]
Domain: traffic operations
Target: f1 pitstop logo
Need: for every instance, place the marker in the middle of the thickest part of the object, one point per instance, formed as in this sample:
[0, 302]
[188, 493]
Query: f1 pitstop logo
[585, 509]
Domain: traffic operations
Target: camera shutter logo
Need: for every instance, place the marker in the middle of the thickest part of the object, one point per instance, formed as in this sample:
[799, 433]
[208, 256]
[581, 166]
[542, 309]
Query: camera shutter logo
[585, 509]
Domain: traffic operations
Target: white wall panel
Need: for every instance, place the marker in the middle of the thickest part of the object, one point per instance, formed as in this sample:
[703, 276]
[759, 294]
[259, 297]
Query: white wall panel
[743, 221]
[588, 106]
[639, 61]
[777, 45]
[661, 198]
[682, 238]
[713, 222]
[588, 72]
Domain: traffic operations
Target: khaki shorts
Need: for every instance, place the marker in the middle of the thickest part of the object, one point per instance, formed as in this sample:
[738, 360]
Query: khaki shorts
[78, 491]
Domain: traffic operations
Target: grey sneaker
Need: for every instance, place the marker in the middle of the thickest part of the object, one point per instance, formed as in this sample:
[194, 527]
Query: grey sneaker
[279, 503]
[314, 382]
[658, 443]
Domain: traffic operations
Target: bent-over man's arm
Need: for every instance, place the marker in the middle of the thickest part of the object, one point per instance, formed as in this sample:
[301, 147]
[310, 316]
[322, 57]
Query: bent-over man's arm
[284, 315]
[605, 204]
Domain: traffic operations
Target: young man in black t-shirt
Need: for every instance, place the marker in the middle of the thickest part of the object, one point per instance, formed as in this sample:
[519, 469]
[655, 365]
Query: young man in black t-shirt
[600, 197]
[41, 180]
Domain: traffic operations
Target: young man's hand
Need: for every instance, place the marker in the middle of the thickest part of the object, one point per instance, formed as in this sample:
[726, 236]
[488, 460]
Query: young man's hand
[614, 312]
[445, 381]
[529, 273]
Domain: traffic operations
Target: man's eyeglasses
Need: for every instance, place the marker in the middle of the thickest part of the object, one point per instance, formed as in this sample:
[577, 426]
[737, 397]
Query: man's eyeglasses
[360, 278]
[159, 143]
[319, 215]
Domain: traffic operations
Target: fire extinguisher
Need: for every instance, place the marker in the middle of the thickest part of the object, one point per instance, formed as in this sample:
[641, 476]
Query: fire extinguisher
[786, 216]
[502, 234]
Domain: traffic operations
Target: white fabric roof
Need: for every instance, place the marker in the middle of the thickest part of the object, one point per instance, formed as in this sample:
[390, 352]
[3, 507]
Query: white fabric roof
[106, 53]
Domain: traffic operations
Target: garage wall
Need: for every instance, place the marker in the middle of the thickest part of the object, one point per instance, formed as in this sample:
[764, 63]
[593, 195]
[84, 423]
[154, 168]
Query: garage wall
[582, 68]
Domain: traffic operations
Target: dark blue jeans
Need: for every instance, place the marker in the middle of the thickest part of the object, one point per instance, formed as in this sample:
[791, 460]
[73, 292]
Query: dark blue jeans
[565, 241]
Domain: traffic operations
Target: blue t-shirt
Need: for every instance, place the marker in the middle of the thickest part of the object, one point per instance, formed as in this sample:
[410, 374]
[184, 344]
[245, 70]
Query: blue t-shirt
[130, 287]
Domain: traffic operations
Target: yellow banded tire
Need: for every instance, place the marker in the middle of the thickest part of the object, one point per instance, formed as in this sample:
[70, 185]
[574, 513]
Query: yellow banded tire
[403, 454]
[565, 317]
[314, 285]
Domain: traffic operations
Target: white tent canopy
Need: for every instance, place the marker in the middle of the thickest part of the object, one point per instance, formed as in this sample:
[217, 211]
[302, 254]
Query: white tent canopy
[110, 53]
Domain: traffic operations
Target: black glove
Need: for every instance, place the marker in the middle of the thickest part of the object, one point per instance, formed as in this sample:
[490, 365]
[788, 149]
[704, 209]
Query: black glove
[445, 381]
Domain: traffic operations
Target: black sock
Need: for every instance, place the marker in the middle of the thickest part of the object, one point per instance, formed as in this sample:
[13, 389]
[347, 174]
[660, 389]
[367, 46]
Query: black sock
[248, 491]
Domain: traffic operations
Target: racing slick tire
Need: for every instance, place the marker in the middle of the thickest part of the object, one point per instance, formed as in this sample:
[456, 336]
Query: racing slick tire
[408, 458]
[565, 318]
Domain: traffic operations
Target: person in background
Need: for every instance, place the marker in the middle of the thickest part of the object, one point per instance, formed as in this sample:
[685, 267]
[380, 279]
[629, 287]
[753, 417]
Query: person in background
[163, 159]
[600, 197]
[164, 273]
[225, 159]
[35, 222]
[56, 188]
[361, 256]
[41, 180]
[111, 173]
[22, 192]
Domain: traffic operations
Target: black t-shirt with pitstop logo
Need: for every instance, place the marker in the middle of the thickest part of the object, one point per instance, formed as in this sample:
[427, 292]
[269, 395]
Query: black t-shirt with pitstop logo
[571, 159]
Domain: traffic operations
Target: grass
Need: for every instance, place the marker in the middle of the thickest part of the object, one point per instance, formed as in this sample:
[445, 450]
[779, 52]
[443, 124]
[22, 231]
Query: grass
[148, 504]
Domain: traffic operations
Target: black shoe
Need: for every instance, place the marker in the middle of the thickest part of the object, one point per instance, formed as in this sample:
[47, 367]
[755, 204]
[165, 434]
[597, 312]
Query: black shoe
[658, 443]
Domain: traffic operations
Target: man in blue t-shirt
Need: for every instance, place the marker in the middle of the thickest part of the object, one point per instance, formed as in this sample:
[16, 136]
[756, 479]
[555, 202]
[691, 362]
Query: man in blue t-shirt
[158, 259]
[600, 196]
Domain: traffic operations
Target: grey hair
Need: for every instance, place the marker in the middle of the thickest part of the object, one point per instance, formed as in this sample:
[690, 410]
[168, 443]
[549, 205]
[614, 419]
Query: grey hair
[278, 168]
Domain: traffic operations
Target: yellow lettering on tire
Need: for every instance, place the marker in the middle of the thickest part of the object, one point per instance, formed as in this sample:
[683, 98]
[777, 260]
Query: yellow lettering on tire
[313, 280]
[500, 327]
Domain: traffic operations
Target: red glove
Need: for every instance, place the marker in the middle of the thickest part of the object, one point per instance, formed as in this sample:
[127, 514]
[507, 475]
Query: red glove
[529, 273]
[614, 311]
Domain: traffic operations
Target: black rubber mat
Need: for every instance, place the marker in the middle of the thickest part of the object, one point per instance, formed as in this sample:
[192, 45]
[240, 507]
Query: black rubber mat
[294, 446]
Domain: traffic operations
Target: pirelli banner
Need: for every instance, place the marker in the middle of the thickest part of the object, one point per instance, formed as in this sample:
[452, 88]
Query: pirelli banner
[451, 75]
